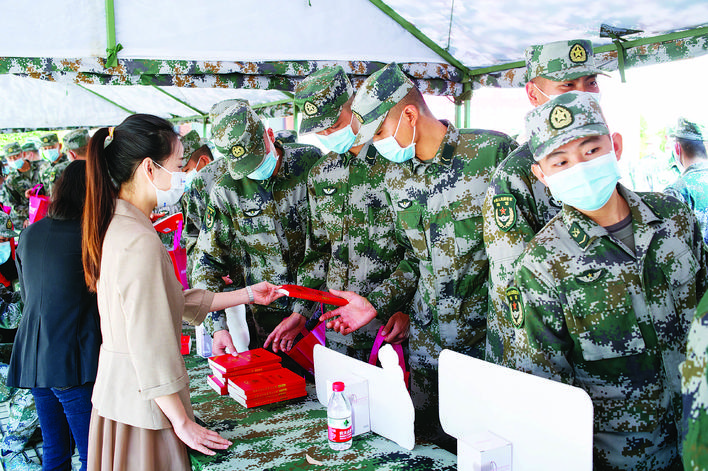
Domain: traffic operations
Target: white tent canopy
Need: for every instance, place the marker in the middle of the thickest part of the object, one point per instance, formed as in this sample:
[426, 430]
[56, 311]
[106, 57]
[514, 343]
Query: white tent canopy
[202, 52]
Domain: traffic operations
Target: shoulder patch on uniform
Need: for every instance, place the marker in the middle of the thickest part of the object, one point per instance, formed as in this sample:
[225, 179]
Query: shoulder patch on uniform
[516, 309]
[329, 190]
[578, 54]
[447, 153]
[590, 276]
[579, 235]
[209, 217]
[504, 211]
[310, 108]
[405, 204]
[370, 155]
[251, 213]
[560, 117]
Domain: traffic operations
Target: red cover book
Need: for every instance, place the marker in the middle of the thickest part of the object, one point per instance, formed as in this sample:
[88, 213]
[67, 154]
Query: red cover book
[257, 395]
[217, 385]
[272, 380]
[228, 363]
[265, 400]
[245, 371]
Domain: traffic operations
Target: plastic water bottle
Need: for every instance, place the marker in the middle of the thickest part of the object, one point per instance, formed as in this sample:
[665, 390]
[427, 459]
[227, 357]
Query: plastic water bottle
[339, 419]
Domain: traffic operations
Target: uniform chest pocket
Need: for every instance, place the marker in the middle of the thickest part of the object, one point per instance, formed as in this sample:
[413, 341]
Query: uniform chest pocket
[330, 210]
[260, 236]
[602, 321]
[680, 273]
[411, 222]
[468, 230]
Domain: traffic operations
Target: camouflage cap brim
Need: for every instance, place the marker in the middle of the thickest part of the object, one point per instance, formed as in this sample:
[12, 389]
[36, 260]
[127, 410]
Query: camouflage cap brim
[368, 131]
[314, 124]
[572, 74]
[240, 168]
[554, 143]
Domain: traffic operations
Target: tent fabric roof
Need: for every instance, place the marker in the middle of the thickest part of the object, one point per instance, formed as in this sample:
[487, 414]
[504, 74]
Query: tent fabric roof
[447, 47]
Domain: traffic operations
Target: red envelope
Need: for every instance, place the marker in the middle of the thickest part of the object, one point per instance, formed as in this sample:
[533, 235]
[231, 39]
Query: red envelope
[295, 291]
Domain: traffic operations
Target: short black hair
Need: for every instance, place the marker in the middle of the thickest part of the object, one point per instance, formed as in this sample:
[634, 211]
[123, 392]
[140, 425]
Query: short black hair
[692, 148]
[69, 192]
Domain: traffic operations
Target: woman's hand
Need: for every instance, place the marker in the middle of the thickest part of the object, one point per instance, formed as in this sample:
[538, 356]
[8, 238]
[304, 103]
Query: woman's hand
[199, 438]
[265, 293]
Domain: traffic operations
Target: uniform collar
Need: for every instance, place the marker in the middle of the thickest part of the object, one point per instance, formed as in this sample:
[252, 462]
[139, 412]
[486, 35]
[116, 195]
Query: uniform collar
[124, 208]
[446, 150]
[698, 166]
[584, 230]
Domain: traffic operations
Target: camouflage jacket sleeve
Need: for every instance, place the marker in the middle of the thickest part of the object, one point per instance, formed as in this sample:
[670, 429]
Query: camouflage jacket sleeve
[10, 308]
[192, 209]
[216, 254]
[549, 342]
[312, 271]
[694, 388]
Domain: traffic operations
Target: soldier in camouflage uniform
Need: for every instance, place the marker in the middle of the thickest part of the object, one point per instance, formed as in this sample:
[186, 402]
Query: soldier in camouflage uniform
[50, 150]
[351, 243]
[30, 151]
[196, 195]
[23, 419]
[24, 175]
[76, 144]
[694, 387]
[517, 205]
[258, 208]
[436, 190]
[692, 186]
[607, 290]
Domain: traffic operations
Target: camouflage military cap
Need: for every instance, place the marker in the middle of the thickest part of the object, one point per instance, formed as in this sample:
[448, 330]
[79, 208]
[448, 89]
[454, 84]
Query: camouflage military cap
[238, 136]
[564, 119]
[7, 229]
[49, 139]
[688, 130]
[561, 60]
[191, 142]
[12, 148]
[286, 135]
[321, 96]
[76, 139]
[222, 106]
[380, 92]
[29, 146]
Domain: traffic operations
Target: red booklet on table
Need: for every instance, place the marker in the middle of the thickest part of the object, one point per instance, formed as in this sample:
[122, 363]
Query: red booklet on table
[295, 291]
[255, 369]
[261, 401]
[255, 384]
[227, 364]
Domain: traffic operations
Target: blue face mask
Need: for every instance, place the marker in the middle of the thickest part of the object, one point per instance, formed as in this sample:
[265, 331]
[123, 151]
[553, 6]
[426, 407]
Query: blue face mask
[266, 168]
[391, 150]
[5, 251]
[50, 155]
[189, 178]
[587, 186]
[16, 164]
[339, 141]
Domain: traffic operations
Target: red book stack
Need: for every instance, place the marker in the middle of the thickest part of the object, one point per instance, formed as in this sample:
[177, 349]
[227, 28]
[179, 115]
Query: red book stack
[257, 389]
[226, 366]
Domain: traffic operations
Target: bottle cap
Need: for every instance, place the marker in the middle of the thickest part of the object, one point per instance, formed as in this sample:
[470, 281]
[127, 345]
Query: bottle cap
[338, 386]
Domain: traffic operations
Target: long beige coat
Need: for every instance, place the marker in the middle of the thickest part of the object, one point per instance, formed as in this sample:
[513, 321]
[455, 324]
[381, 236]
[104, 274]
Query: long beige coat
[141, 304]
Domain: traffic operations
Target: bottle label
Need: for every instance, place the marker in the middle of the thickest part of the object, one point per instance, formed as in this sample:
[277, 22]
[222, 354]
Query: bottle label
[339, 430]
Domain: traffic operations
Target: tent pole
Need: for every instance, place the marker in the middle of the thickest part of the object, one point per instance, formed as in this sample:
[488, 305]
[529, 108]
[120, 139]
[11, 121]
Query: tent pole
[296, 125]
[113, 48]
[458, 113]
[107, 99]
[179, 101]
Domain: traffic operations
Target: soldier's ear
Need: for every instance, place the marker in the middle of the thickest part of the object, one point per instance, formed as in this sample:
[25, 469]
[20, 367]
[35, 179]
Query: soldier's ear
[532, 93]
[617, 144]
[536, 169]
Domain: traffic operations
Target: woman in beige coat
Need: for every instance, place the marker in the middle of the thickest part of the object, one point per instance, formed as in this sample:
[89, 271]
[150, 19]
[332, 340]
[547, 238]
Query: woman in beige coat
[142, 417]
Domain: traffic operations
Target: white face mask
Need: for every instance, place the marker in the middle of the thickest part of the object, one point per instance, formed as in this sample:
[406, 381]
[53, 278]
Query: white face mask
[172, 195]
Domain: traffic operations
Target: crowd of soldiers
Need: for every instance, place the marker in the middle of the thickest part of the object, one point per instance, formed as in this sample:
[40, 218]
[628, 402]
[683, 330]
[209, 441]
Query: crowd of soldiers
[530, 256]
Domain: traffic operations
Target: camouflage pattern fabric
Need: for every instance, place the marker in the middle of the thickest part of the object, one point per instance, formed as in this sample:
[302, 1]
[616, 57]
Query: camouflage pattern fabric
[517, 205]
[51, 172]
[351, 242]
[321, 96]
[13, 190]
[264, 220]
[692, 189]
[238, 134]
[601, 317]
[438, 206]
[76, 139]
[694, 388]
[561, 60]
[686, 129]
[191, 142]
[194, 204]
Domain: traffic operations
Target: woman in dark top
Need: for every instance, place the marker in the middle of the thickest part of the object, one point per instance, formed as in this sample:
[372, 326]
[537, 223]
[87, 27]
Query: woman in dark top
[58, 340]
